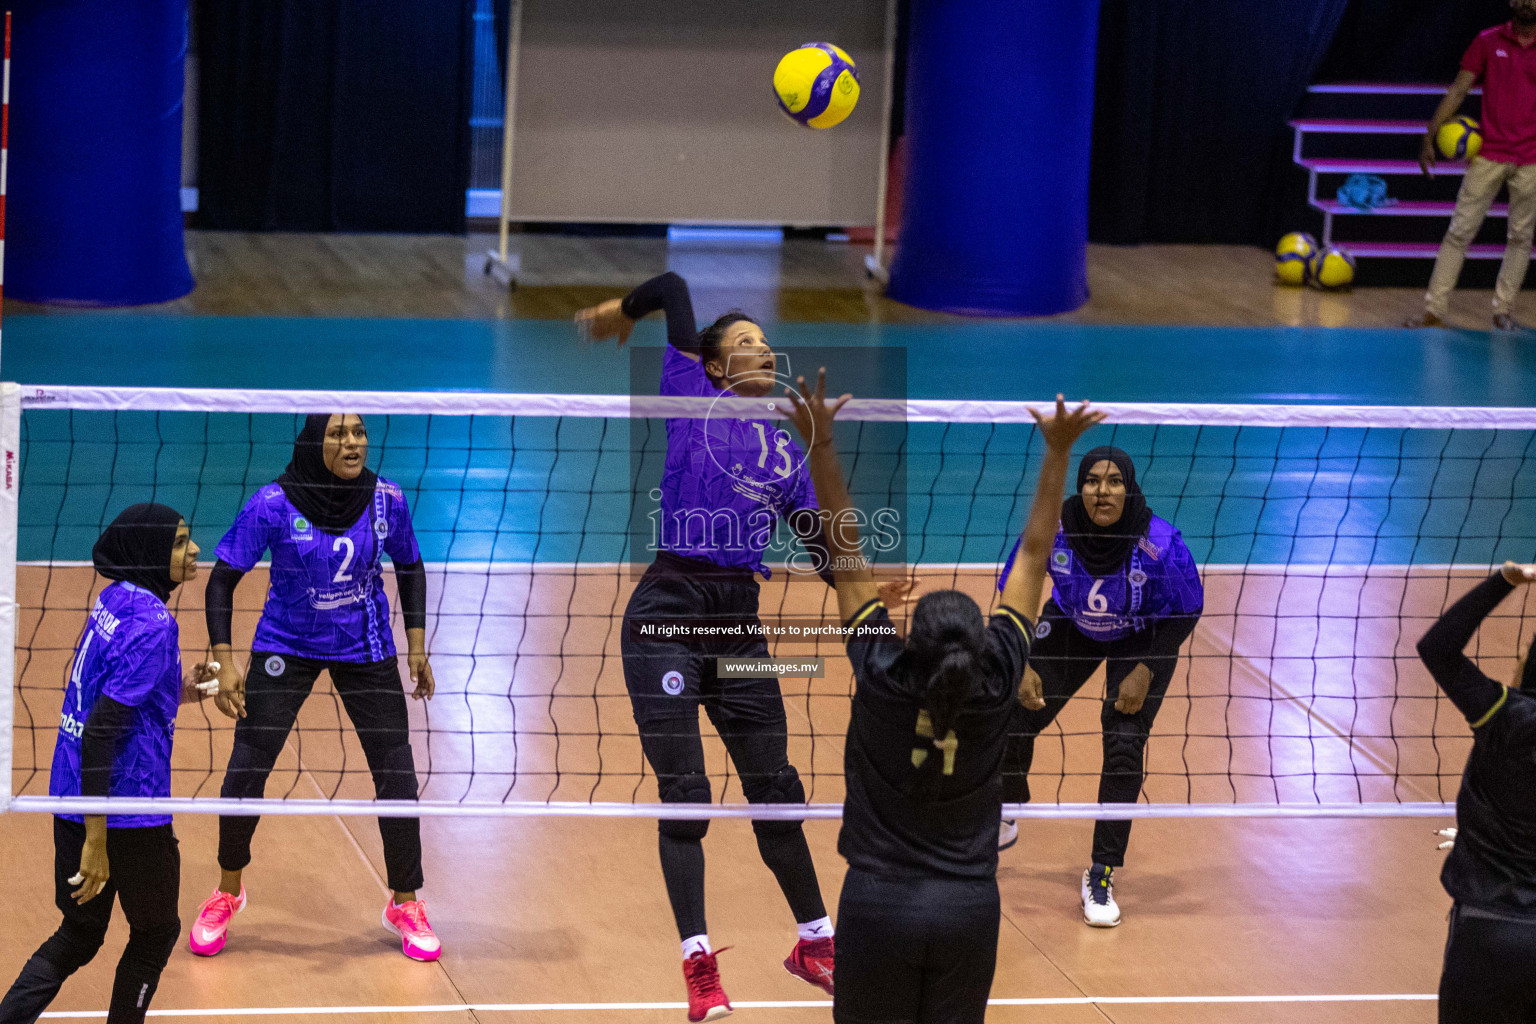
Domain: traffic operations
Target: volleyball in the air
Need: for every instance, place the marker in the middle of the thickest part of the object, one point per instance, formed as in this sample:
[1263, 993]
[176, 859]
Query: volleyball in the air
[816, 85]
[1331, 268]
[1291, 257]
[1460, 138]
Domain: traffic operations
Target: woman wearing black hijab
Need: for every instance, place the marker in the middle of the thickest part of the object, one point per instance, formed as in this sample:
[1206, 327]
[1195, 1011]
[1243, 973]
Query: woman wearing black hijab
[115, 732]
[328, 521]
[1124, 590]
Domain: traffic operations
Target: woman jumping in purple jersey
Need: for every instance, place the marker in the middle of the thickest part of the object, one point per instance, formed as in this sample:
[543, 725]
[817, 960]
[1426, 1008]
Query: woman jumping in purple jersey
[115, 733]
[328, 521]
[724, 485]
[1124, 591]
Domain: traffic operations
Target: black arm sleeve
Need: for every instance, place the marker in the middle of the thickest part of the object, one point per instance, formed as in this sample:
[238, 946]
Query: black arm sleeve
[105, 727]
[1473, 693]
[806, 524]
[1160, 641]
[412, 582]
[219, 602]
[668, 292]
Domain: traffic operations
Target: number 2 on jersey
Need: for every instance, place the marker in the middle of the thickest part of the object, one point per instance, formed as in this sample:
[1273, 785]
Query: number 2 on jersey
[342, 576]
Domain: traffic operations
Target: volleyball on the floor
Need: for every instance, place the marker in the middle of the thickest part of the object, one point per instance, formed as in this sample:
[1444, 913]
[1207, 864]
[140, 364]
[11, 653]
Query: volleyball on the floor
[1291, 257]
[1460, 138]
[816, 85]
[1331, 268]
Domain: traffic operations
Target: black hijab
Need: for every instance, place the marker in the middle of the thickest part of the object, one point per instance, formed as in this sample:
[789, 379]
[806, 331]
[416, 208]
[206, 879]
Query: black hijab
[1102, 550]
[136, 548]
[325, 499]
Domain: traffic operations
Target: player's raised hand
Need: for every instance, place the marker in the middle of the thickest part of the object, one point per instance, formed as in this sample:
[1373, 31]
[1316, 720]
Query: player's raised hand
[810, 411]
[1449, 835]
[1066, 425]
[603, 321]
[1517, 575]
[895, 593]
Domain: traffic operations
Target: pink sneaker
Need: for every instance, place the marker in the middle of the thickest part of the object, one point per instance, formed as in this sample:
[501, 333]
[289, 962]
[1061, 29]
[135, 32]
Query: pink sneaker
[211, 929]
[409, 921]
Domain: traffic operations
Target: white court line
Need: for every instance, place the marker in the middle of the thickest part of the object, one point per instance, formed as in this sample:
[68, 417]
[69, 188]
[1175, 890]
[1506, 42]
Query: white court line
[786, 1004]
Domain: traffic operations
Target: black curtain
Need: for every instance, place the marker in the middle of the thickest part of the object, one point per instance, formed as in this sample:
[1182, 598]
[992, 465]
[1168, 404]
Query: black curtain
[1192, 96]
[1407, 40]
[334, 115]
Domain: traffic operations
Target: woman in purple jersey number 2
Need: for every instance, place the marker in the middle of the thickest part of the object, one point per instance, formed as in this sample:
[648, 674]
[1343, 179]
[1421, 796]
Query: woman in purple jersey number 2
[327, 521]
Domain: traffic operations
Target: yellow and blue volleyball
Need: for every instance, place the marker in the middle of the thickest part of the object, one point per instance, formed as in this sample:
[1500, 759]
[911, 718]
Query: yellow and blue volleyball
[817, 85]
[1291, 257]
[1460, 138]
[1331, 268]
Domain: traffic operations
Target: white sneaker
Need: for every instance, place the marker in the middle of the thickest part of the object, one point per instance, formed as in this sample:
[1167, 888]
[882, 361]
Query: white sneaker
[1007, 835]
[1099, 907]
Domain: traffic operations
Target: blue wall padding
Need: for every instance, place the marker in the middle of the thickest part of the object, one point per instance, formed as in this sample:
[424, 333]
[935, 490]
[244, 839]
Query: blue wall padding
[999, 117]
[94, 201]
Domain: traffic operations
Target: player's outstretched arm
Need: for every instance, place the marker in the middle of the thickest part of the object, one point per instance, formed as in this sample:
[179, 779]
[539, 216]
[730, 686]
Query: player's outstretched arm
[616, 317]
[1475, 695]
[813, 417]
[1026, 574]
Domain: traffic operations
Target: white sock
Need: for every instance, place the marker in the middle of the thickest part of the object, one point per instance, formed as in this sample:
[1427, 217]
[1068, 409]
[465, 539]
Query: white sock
[821, 928]
[696, 944]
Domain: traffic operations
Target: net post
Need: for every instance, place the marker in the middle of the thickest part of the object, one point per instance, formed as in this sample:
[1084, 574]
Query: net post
[874, 263]
[10, 481]
[498, 263]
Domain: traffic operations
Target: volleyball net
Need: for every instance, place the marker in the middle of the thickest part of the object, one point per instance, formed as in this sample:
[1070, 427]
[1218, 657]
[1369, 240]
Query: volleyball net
[1329, 539]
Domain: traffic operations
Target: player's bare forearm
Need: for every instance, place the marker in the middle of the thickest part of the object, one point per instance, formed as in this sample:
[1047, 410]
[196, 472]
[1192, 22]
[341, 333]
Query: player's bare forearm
[416, 641]
[855, 581]
[813, 417]
[1454, 97]
[1026, 578]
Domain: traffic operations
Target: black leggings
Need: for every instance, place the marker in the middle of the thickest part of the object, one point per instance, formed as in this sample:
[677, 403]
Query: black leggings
[375, 702]
[915, 951]
[145, 877]
[667, 682]
[1064, 659]
[1489, 976]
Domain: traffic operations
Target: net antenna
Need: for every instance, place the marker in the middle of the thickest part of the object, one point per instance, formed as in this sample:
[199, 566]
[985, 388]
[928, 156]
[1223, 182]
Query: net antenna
[1328, 536]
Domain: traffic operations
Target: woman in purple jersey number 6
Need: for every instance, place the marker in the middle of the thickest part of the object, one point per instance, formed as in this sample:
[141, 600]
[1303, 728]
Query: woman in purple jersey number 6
[1125, 592]
[328, 521]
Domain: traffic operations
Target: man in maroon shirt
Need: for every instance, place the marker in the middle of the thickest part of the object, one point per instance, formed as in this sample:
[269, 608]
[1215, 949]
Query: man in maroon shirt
[1503, 58]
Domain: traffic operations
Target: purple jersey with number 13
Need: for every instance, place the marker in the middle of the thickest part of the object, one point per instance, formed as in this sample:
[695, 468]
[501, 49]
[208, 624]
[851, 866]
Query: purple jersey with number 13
[326, 600]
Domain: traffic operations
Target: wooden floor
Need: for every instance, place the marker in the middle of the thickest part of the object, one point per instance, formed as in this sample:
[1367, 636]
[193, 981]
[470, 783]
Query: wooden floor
[442, 276]
[536, 912]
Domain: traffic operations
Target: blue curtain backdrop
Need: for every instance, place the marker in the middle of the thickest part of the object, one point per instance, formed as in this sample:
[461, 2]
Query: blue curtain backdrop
[95, 152]
[999, 109]
[334, 115]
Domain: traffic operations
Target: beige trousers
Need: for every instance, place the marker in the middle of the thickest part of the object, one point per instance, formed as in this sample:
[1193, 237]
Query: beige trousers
[1481, 185]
